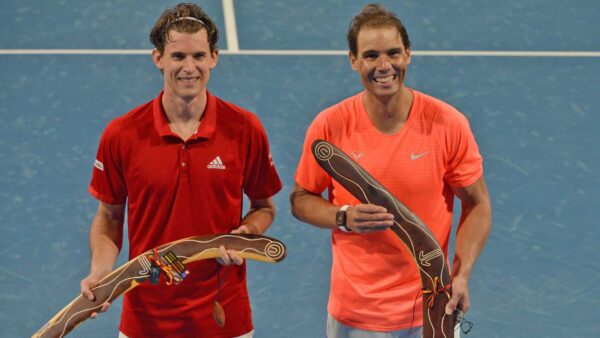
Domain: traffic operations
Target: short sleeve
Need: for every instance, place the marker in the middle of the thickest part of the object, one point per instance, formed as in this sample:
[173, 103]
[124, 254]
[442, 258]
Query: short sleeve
[465, 164]
[309, 175]
[260, 176]
[108, 184]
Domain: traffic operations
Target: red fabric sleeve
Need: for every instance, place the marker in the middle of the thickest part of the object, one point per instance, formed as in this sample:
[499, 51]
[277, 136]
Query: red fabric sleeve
[108, 184]
[260, 176]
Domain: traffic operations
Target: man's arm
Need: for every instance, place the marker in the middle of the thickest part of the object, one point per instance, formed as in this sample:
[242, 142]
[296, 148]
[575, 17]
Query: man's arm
[106, 236]
[473, 231]
[313, 209]
[258, 219]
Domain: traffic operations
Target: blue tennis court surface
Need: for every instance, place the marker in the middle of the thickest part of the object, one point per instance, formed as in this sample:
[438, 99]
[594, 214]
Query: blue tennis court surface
[535, 119]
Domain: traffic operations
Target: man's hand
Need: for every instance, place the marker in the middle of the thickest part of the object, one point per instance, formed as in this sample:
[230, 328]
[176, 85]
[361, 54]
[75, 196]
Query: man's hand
[229, 257]
[460, 296]
[86, 285]
[363, 218]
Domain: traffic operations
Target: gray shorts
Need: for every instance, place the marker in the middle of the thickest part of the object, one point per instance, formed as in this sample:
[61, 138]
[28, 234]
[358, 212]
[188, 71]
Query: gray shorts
[247, 335]
[336, 329]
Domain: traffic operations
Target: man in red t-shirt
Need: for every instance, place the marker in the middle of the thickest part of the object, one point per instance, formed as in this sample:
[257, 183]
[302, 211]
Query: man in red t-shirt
[182, 163]
[423, 151]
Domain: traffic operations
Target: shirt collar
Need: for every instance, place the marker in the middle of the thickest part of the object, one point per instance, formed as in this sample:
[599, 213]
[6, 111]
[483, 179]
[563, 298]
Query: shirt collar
[207, 125]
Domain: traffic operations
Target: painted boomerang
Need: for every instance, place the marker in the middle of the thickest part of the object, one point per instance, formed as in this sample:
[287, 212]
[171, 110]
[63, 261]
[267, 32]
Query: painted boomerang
[137, 270]
[435, 277]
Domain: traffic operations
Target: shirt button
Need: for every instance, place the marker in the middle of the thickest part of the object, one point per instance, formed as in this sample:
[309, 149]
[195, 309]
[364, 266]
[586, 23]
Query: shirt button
[183, 164]
[183, 146]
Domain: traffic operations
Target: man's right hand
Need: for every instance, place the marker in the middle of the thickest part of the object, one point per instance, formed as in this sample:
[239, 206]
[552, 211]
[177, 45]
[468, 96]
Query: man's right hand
[363, 218]
[86, 286]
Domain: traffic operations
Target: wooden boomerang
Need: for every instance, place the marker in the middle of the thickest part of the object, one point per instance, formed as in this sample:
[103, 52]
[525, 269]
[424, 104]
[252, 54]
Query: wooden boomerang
[137, 270]
[435, 277]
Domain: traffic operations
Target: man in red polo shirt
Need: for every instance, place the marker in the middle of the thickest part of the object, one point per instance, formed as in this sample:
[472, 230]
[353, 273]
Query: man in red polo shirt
[182, 163]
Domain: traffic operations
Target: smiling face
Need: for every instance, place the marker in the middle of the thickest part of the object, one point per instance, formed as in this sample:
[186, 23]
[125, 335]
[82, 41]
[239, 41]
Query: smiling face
[186, 64]
[381, 61]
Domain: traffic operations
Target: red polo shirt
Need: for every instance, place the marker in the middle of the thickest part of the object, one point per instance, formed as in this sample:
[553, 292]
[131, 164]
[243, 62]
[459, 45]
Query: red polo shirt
[175, 189]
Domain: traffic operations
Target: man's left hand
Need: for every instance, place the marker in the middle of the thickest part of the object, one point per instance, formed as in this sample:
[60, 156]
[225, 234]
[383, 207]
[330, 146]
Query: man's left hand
[460, 296]
[229, 257]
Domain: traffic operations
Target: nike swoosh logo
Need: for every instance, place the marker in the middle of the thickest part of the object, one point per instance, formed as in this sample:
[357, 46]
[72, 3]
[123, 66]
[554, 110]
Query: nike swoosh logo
[414, 156]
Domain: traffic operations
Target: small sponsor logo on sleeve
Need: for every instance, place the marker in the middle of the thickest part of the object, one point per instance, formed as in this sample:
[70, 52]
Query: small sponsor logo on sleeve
[271, 160]
[99, 165]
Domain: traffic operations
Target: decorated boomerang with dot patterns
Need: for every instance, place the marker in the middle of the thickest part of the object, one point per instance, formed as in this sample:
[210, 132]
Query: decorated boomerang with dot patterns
[435, 277]
[137, 270]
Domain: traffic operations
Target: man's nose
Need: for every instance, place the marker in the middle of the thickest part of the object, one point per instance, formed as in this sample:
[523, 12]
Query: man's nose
[188, 64]
[383, 62]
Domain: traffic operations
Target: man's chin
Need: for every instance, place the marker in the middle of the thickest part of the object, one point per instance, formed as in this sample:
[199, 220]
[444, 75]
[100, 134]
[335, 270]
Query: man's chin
[189, 94]
[384, 92]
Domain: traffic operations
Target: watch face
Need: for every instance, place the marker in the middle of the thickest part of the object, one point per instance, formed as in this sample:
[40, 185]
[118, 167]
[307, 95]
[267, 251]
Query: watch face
[340, 218]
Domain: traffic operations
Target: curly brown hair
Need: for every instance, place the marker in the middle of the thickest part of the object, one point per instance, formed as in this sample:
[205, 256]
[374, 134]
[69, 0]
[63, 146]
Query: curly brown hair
[181, 19]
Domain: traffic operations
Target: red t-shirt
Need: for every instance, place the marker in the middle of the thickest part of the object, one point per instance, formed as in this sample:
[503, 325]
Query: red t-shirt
[374, 280]
[176, 189]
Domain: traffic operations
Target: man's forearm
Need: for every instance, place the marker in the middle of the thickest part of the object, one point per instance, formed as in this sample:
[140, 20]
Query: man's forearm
[260, 216]
[258, 220]
[106, 238]
[313, 209]
[473, 231]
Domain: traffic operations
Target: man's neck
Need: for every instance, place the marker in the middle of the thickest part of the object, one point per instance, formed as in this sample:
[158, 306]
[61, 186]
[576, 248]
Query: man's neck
[184, 115]
[389, 114]
[180, 110]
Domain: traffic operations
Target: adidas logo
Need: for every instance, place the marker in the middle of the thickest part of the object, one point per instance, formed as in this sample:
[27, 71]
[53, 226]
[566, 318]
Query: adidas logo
[216, 164]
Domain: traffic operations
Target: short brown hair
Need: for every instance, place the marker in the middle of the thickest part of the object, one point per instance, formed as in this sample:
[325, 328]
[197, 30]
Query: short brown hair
[179, 18]
[374, 16]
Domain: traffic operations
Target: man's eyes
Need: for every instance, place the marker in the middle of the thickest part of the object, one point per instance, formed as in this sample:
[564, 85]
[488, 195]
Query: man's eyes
[181, 57]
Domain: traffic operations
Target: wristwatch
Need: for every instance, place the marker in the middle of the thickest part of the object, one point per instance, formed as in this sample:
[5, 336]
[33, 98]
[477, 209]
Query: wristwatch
[340, 219]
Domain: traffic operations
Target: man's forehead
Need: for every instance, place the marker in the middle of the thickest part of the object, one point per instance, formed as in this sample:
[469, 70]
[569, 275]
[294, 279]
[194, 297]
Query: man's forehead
[369, 36]
[176, 36]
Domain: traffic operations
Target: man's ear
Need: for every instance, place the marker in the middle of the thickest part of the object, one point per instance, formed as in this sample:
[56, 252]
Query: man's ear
[157, 58]
[408, 55]
[215, 58]
[353, 61]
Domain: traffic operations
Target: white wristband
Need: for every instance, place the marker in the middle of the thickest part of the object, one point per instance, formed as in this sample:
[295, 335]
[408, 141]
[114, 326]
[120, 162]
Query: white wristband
[343, 227]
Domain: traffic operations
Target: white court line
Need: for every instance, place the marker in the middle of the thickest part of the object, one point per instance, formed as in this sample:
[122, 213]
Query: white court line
[75, 51]
[305, 52]
[230, 27]
[428, 53]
